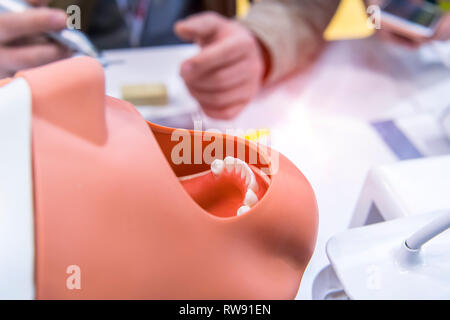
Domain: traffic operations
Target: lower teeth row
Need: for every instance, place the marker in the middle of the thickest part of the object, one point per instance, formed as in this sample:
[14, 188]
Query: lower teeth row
[231, 164]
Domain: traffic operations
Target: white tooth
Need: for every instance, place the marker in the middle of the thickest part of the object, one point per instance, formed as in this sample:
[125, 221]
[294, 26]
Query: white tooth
[251, 180]
[251, 175]
[239, 165]
[253, 185]
[243, 210]
[217, 167]
[243, 172]
[229, 163]
[250, 198]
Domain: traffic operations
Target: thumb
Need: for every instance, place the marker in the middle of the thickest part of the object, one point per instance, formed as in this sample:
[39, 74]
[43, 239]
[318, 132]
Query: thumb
[199, 28]
[30, 22]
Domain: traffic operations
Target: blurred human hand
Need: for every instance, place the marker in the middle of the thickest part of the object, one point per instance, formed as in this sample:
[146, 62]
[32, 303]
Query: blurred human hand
[443, 29]
[228, 71]
[390, 35]
[21, 42]
[442, 32]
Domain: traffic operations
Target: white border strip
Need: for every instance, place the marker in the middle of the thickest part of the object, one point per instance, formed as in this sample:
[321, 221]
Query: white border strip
[16, 195]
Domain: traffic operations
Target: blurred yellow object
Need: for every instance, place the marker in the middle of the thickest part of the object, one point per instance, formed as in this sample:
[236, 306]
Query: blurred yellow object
[445, 5]
[349, 22]
[257, 135]
[242, 8]
[145, 94]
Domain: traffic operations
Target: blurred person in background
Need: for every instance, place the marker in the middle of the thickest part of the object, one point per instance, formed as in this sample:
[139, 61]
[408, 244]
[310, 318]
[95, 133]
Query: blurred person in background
[275, 39]
[236, 59]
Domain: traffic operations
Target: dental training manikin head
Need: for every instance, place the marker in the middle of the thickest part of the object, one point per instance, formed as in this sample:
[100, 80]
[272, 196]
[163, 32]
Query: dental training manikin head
[112, 197]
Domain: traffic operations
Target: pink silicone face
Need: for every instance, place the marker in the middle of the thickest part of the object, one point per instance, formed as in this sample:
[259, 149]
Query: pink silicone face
[109, 200]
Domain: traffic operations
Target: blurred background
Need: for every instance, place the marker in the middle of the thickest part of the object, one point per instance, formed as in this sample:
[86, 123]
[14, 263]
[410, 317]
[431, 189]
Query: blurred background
[338, 86]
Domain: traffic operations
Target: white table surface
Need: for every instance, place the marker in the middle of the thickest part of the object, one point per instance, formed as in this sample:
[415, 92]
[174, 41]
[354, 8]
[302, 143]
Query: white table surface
[320, 119]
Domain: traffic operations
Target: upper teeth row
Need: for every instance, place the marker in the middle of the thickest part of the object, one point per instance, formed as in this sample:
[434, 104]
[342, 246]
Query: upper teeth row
[231, 164]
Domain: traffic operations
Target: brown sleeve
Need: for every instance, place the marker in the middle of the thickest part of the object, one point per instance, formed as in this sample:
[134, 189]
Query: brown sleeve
[291, 31]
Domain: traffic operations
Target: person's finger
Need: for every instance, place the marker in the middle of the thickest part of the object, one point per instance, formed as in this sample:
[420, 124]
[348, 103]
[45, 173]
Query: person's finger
[223, 99]
[224, 114]
[18, 58]
[397, 39]
[30, 40]
[223, 78]
[215, 56]
[199, 28]
[30, 22]
[443, 29]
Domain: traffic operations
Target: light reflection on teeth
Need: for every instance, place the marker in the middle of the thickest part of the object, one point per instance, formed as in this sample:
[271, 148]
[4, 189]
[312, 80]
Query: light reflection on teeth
[243, 210]
[229, 163]
[217, 167]
[250, 198]
[240, 168]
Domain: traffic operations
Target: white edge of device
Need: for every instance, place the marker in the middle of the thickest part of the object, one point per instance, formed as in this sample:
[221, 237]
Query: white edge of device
[16, 193]
[406, 27]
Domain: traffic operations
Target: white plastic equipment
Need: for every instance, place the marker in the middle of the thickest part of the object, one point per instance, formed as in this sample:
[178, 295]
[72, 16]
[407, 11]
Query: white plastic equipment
[405, 258]
[385, 254]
